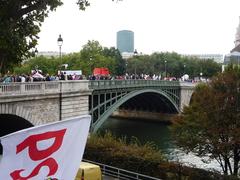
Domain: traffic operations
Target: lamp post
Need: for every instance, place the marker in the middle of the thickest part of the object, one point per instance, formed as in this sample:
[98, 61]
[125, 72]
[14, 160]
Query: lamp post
[184, 69]
[91, 65]
[36, 68]
[238, 61]
[60, 42]
[36, 52]
[201, 76]
[135, 54]
[165, 62]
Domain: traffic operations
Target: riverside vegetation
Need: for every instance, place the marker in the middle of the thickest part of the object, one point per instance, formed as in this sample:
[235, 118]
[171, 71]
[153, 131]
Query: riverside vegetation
[142, 158]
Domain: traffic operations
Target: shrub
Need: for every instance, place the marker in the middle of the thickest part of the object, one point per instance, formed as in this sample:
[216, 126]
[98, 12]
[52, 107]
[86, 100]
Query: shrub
[142, 158]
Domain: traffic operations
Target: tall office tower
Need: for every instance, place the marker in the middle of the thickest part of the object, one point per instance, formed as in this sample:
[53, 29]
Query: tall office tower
[125, 41]
[237, 36]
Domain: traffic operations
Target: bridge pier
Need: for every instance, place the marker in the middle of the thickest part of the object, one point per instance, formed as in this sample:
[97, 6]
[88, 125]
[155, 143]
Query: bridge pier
[187, 90]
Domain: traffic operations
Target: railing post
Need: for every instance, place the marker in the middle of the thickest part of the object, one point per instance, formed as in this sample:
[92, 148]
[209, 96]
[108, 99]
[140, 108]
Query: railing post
[22, 88]
[60, 101]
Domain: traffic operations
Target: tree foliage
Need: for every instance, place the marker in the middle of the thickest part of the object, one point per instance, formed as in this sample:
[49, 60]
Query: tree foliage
[174, 64]
[120, 63]
[210, 125]
[20, 23]
[141, 158]
[92, 55]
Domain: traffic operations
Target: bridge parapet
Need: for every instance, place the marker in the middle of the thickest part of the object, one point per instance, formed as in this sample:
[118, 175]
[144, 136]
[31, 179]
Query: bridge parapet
[110, 84]
[46, 87]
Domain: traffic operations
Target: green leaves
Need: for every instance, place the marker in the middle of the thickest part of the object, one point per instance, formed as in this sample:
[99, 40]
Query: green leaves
[83, 4]
[210, 125]
[175, 64]
[92, 55]
[20, 23]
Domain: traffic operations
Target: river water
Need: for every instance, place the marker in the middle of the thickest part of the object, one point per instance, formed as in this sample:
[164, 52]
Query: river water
[159, 134]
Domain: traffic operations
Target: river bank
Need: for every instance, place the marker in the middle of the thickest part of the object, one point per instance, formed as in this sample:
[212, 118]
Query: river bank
[143, 115]
[159, 134]
[140, 158]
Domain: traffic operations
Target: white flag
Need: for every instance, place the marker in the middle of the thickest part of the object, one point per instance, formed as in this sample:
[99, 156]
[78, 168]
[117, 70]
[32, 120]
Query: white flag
[54, 150]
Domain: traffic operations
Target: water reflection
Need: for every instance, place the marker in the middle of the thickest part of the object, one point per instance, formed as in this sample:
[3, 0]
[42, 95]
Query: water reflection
[159, 134]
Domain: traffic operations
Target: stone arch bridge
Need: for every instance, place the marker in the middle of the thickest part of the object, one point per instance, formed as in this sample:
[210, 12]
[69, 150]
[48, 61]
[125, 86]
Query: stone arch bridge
[24, 105]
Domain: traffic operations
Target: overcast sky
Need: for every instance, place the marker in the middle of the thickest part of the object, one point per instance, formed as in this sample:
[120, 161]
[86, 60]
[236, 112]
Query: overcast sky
[182, 26]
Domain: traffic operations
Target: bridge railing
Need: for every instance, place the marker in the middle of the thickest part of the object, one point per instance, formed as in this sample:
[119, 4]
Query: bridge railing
[105, 84]
[44, 87]
[121, 173]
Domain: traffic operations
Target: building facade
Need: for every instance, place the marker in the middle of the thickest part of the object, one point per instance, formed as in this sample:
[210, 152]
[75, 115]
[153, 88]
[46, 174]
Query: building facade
[234, 55]
[50, 54]
[125, 41]
[216, 57]
[237, 36]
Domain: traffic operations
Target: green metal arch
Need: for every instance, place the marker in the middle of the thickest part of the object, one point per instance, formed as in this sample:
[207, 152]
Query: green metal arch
[128, 96]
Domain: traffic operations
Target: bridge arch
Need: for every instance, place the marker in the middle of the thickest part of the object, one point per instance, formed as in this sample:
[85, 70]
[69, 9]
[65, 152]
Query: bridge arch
[10, 123]
[14, 110]
[19, 111]
[125, 98]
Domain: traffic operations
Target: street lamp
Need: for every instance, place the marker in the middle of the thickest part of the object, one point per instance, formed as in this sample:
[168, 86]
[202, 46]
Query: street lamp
[238, 61]
[135, 54]
[165, 68]
[60, 42]
[201, 76]
[36, 68]
[36, 52]
[91, 65]
[184, 69]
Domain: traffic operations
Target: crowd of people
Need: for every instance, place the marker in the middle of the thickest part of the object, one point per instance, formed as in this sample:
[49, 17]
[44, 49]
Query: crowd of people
[39, 76]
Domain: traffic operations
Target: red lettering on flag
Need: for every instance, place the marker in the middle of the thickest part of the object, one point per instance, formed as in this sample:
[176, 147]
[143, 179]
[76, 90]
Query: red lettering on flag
[35, 154]
[50, 163]
[31, 143]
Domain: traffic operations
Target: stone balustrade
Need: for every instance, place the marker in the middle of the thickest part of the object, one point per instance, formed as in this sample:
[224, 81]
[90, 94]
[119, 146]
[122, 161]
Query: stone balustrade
[43, 87]
[47, 87]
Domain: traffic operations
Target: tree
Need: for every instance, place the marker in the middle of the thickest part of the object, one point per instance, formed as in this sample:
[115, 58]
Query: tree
[120, 68]
[20, 23]
[210, 125]
[93, 56]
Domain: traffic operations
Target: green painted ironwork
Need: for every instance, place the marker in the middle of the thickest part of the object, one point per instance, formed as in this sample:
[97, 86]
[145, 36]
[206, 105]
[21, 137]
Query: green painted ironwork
[108, 95]
[106, 84]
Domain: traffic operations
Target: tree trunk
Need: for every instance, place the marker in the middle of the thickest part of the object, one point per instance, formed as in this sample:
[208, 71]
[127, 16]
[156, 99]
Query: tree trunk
[225, 166]
[1, 64]
[229, 166]
[236, 161]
